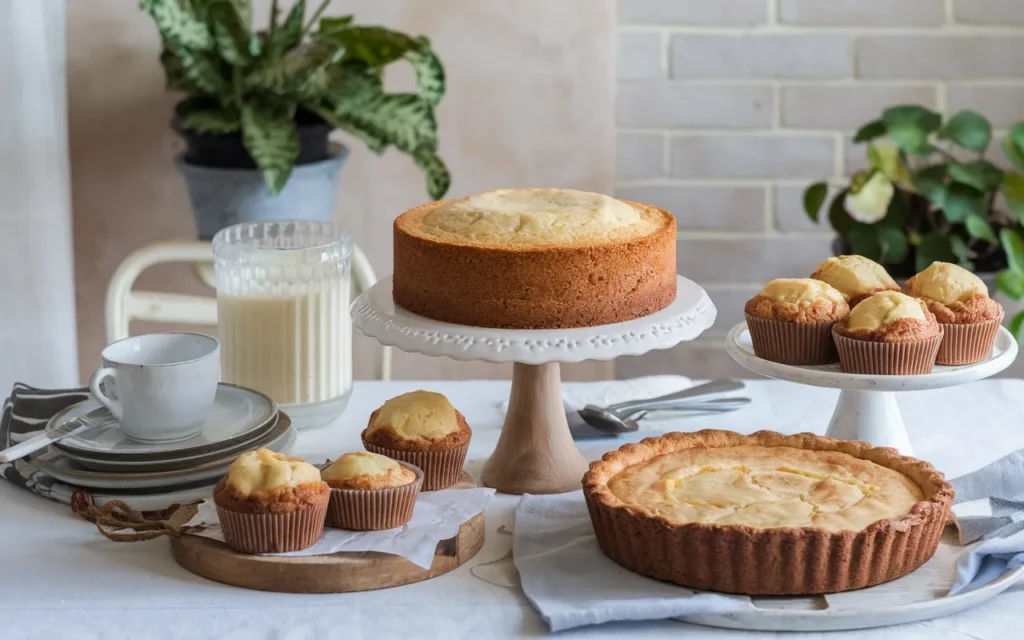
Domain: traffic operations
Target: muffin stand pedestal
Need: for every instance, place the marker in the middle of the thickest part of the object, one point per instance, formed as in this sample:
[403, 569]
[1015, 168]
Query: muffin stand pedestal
[535, 452]
[867, 408]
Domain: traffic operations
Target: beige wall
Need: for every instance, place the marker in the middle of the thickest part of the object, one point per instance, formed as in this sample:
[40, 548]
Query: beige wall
[530, 103]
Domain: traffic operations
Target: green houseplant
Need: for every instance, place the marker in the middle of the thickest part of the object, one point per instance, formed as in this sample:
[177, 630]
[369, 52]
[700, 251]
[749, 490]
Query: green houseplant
[267, 99]
[931, 193]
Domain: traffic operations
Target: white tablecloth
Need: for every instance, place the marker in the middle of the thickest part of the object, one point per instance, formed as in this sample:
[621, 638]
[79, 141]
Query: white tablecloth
[61, 579]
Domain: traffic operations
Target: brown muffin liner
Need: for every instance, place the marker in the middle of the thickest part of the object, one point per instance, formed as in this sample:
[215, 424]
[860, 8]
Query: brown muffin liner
[967, 343]
[771, 561]
[441, 469]
[374, 509]
[887, 358]
[792, 342]
[272, 532]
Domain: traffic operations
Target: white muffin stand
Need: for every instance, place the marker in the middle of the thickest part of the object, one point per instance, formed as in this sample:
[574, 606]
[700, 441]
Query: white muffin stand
[535, 452]
[867, 408]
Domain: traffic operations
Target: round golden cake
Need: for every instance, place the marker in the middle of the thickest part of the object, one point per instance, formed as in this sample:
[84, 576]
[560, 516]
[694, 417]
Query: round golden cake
[534, 259]
[766, 514]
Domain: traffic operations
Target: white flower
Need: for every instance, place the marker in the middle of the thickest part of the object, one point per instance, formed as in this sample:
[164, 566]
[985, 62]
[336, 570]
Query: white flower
[869, 202]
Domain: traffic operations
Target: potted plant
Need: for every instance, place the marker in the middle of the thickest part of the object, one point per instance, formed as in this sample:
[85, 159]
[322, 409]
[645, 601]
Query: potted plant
[929, 194]
[259, 106]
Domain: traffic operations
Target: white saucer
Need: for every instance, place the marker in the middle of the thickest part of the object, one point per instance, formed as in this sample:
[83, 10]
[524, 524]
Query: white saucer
[238, 414]
[115, 465]
[56, 464]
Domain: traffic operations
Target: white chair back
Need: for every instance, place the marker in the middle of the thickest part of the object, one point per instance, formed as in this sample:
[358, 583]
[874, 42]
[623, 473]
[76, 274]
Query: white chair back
[124, 304]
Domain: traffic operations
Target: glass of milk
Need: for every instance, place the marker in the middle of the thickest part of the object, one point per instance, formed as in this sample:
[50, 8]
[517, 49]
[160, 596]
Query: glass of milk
[282, 314]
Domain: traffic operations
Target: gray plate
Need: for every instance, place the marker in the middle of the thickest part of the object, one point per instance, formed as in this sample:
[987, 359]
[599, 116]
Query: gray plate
[185, 462]
[61, 467]
[238, 415]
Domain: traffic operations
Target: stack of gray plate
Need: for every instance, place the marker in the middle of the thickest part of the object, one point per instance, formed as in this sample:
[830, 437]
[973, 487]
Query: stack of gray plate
[110, 465]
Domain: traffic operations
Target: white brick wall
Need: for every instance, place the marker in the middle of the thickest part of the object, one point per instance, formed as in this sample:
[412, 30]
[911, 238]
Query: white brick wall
[727, 109]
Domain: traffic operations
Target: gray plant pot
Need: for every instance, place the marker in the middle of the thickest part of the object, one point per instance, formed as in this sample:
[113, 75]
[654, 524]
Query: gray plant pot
[223, 197]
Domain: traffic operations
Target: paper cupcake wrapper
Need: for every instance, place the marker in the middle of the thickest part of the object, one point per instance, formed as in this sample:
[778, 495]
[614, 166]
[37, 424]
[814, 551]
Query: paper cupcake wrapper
[441, 469]
[792, 342]
[886, 358]
[967, 343]
[374, 509]
[272, 532]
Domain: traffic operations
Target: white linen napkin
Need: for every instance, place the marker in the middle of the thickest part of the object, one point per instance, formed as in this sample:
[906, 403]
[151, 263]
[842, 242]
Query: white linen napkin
[436, 517]
[571, 583]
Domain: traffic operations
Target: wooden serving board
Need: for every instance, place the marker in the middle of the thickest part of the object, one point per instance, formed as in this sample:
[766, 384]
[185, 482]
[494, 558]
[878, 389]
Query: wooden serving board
[333, 573]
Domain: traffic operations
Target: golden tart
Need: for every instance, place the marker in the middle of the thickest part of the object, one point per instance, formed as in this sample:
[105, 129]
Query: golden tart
[271, 503]
[790, 320]
[856, 277]
[370, 492]
[959, 299]
[766, 514]
[888, 333]
[425, 430]
[534, 259]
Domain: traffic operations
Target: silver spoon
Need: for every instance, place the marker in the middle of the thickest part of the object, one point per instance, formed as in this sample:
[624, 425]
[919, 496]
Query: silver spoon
[622, 422]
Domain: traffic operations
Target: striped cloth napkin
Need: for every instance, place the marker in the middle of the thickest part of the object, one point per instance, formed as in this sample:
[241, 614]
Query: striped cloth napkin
[995, 537]
[25, 414]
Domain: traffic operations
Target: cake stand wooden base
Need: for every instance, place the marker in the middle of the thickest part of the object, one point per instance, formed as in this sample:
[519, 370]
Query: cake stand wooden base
[535, 452]
[334, 573]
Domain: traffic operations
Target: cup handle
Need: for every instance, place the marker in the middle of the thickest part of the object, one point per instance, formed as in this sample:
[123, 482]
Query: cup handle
[105, 373]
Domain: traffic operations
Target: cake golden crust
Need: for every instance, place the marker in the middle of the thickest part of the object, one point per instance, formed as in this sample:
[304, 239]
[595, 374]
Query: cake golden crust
[813, 313]
[901, 331]
[856, 277]
[800, 300]
[388, 438]
[736, 558]
[890, 317]
[953, 294]
[280, 500]
[534, 286]
[366, 471]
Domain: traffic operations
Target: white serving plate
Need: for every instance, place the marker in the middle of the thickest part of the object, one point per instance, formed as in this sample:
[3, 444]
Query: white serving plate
[63, 468]
[914, 597]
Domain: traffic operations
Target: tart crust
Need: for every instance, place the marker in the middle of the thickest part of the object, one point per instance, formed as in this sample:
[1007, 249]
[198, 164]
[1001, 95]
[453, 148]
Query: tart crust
[765, 561]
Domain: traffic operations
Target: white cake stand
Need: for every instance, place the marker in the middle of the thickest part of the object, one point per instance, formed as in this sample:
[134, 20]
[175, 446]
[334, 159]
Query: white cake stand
[867, 408]
[535, 452]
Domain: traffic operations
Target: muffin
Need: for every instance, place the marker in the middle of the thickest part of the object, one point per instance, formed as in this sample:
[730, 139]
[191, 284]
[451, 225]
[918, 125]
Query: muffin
[791, 320]
[271, 503]
[370, 492]
[959, 299]
[423, 429]
[889, 333]
[856, 277]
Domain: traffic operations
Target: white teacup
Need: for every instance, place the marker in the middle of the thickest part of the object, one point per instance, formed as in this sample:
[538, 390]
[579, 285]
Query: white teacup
[159, 386]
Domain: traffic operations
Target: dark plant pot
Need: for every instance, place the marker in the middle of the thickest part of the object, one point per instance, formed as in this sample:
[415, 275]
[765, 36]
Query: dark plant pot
[225, 151]
[225, 188]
